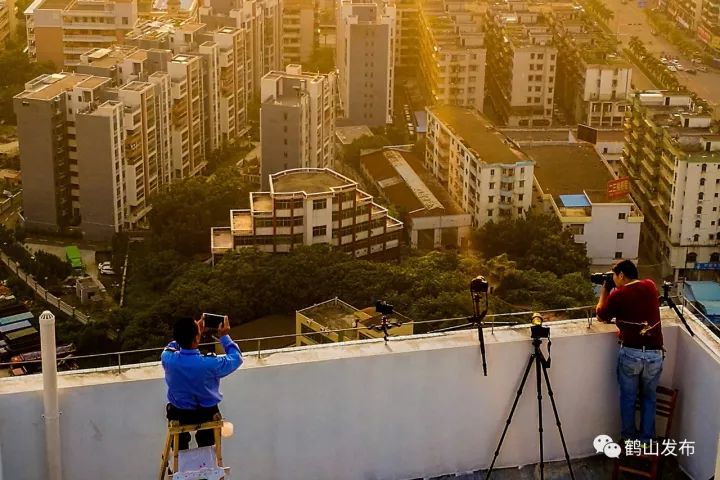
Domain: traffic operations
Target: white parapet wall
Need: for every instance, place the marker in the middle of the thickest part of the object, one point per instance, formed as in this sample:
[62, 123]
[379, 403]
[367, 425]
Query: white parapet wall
[415, 407]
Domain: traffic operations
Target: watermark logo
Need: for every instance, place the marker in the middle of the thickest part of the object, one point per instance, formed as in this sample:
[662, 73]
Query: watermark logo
[664, 448]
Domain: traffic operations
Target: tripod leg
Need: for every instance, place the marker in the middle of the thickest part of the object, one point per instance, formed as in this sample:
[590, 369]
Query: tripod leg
[512, 411]
[540, 415]
[557, 416]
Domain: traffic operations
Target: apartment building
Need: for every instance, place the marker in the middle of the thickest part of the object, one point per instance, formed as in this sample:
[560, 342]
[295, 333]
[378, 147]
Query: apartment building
[672, 157]
[521, 65]
[365, 56]
[686, 13]
[61, 30]
[485, 173]
[407, 52]
[709, 26]
[8, 22]
[452, 54]
[299, 27]
[297, 121]
[593, 82]
[571, 181]
[309, 206]
[260, 23]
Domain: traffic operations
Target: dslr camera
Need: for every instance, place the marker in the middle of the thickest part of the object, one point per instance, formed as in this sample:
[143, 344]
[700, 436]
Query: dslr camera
[603, 279]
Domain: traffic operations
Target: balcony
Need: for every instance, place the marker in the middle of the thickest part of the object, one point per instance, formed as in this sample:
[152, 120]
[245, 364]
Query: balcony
[287, 423]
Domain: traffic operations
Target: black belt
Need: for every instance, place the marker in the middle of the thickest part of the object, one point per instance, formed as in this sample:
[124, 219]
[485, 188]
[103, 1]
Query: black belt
[639, 347]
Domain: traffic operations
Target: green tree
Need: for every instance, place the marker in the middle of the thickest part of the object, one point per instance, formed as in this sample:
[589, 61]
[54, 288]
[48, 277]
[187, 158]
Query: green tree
[537, 241]
[182, 216]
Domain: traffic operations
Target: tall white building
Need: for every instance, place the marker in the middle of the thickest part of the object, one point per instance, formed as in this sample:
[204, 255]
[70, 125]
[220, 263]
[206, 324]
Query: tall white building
[521, 65]
[672, 156]
[298, 31]
[452, 54]
[297, 121]
[365, 57]
[485, 173]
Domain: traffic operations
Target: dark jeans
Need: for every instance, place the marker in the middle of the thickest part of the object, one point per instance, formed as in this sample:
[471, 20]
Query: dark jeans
[204, 438]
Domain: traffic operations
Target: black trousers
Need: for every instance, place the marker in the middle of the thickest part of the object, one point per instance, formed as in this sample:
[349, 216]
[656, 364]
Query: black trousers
[204, 438]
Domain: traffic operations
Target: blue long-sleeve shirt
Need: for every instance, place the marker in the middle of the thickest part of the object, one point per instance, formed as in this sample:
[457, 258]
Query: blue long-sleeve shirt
[193, 379]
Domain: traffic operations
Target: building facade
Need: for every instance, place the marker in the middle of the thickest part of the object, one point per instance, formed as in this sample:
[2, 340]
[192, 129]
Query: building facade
[61, 30]
[709, 26]
[365, 56]
[299, 31]
[686, 13]
[452, 54]
[672, 157]
[8, 22]
[297, 121]
[307, 207]
[521, 65]
[593, 82]
[484, 172]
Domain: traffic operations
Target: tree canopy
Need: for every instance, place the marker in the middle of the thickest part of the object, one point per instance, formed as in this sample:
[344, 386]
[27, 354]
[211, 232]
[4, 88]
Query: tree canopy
[15, 70]
[182, 216]
[536, 242]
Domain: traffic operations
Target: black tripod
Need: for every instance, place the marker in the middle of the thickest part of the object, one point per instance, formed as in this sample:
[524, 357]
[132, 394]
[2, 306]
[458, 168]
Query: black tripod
[665, 297]
[537, 332]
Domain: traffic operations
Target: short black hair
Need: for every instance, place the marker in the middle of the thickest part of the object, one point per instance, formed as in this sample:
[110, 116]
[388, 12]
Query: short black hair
[184, 331]
[627, 267]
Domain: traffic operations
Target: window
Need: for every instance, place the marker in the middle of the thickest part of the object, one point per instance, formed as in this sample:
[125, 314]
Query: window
[701, 195]
[702, 181]
[620, 235]
[699, 210]
[520, 211]
[697, 223]
[320, 204]
[492, 184]
[520, 197]
[491, 199]
[712, 236]
[703, 169]
[696, 238]
[490, 212]
[621, 216]
[691, 257]
[320, 231]
[618, 255]
[715, 257]
[522, 183]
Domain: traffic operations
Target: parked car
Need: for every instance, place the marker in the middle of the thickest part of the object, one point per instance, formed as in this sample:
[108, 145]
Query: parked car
[672, 68]
[701, 68]
[691, 71]
[107, 271]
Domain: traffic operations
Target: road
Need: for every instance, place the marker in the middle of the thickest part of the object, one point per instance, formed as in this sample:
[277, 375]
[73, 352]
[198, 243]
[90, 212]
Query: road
[630, 20]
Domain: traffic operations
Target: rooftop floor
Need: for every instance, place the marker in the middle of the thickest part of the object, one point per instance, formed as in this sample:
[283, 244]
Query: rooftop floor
[314, 181]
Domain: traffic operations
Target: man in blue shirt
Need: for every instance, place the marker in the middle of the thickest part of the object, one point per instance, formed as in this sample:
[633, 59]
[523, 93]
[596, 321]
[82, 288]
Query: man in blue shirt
[193, 379]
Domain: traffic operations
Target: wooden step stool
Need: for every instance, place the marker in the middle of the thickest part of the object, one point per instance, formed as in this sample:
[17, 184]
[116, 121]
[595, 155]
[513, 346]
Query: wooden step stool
[173, 441]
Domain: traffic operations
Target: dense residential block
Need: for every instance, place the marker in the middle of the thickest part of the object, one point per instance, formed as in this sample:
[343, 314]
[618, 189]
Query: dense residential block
[593, 82]
[485, 172]
[61, 30]
[709, 25]
[672, 156]
[522, 60]
[452, 54]
[365, 57]
[297, 121]
[572, 182]
[309, 206]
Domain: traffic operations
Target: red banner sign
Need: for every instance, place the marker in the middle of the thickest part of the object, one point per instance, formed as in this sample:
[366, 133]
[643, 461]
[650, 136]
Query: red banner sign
[618, 188]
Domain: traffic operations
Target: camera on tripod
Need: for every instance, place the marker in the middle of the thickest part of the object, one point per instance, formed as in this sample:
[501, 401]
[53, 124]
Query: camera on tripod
[603, 279]
[537, 330]
[383, 307]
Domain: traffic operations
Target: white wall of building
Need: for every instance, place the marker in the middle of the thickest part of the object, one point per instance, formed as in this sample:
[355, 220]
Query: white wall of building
[410, 408]
[600, 234]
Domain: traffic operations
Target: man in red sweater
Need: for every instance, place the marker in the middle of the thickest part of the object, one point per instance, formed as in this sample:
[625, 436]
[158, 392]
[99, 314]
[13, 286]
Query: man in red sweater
[635, 306]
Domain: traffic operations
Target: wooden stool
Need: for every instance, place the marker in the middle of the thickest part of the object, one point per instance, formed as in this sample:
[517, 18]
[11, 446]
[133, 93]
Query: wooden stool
[173, 441]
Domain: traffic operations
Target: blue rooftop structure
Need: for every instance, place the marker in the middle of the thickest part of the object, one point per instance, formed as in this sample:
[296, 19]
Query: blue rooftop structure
[706, 296]
[575, 201]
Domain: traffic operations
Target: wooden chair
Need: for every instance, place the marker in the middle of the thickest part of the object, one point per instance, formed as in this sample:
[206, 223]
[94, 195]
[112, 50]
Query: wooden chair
[648, 466]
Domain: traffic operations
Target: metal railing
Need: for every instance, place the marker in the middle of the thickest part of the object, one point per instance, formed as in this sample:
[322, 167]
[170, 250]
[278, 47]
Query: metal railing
[42, 292]
[131, 358]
